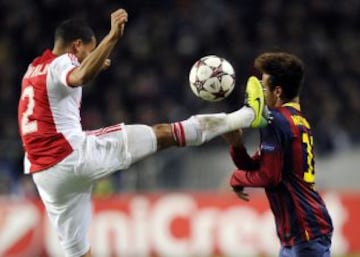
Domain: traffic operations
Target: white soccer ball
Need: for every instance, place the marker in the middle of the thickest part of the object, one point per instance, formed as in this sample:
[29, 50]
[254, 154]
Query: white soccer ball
[212, 78]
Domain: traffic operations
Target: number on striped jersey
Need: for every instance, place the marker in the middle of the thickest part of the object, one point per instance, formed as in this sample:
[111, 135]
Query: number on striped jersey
[309, 174]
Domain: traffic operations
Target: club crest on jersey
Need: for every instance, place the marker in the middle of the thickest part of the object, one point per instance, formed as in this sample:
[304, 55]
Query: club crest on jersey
[266, 147]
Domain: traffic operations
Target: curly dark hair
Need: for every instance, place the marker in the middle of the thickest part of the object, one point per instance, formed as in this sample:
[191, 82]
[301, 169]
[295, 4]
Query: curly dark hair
[73, 29]
[285, 70]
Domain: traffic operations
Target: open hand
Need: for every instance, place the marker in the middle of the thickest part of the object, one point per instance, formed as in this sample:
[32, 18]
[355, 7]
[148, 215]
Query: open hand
[239, 191]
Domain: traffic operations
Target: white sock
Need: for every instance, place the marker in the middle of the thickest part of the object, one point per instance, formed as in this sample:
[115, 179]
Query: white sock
[201, 128]
[187, 132]
[241, 118]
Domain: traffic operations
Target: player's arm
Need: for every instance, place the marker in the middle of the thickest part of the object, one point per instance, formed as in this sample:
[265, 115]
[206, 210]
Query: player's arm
[270, 160]
[238, 152]
[268, 174]
[98, 59]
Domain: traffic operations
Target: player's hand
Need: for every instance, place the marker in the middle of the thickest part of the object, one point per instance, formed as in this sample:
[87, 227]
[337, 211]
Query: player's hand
[106, 64]
[234, 137]
[118, 20]
[239, 191]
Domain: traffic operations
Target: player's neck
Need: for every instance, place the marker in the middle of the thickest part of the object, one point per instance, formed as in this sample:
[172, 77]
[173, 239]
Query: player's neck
[281, 102]
[60, 49]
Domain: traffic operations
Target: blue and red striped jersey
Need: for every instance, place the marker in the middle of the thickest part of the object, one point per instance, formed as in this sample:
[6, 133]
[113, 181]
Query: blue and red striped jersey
[285, 168]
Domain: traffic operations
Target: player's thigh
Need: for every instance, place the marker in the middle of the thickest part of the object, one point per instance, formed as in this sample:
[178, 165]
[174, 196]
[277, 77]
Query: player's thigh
[108, 150]
[72, 223]
[67, 199]
[58, 182]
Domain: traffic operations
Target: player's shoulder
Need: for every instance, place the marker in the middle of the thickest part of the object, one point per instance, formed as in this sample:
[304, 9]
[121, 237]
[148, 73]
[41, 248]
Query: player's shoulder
[287, 117]
[46, 57]
[281, 123]
[66, 58]
[279, 117]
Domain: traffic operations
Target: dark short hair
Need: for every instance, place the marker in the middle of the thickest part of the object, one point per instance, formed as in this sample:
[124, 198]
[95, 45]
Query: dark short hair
[73, 29]
[285, 70]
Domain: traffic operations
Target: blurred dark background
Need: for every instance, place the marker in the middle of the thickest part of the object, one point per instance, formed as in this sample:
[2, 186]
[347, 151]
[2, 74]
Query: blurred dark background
[148, 81]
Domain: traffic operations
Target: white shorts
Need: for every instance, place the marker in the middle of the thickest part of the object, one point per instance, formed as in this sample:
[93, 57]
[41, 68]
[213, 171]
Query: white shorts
[65, 188]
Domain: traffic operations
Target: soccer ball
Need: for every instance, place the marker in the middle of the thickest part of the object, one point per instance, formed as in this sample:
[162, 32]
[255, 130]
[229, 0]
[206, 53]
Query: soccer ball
[212, 78]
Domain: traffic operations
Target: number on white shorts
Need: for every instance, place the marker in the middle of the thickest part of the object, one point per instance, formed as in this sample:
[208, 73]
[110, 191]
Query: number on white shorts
[28, 126]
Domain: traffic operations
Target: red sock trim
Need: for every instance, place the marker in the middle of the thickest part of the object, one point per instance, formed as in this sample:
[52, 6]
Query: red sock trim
[178, 133]
[182, 134]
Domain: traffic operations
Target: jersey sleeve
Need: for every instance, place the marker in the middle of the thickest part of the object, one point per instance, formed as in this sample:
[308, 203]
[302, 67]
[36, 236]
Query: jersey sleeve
[270, 161]
[63, 66]
[242, 160]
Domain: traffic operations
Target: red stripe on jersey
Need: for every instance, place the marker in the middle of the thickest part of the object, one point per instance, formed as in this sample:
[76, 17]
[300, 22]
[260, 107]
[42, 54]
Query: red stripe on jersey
[285, 218]
[45, 151]
[106, 130]
[324, 223]
[300, 213]
[297, 147]
[278, 219]
[44, 146]
[297, 166]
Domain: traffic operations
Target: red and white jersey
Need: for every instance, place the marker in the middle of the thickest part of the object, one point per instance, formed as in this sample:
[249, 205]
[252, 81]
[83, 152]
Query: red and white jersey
[49, 111]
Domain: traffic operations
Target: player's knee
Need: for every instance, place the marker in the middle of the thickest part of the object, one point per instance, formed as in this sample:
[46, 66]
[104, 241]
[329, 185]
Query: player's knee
[141, 141]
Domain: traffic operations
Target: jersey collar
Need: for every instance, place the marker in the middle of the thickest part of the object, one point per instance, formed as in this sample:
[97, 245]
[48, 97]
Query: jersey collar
[293, 105]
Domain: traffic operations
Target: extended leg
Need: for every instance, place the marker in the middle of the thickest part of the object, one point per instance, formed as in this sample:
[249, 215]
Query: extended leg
[201, 128]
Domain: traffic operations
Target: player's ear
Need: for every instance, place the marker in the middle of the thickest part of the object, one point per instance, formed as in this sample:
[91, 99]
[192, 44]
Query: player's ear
[278, 92]
[75, 45]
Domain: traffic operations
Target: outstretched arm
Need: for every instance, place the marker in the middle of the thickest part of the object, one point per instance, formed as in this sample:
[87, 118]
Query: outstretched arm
[268, 174]
[262, 170]
[98, 59]
[241, 159]
[238, 152]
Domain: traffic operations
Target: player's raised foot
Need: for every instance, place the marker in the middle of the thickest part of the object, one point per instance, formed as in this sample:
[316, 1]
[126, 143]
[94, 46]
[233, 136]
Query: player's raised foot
[254, 98]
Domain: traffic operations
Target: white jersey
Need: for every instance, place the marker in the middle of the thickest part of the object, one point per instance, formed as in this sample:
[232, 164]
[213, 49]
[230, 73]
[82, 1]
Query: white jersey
[49, 111]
